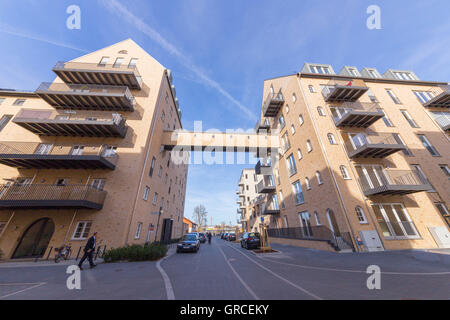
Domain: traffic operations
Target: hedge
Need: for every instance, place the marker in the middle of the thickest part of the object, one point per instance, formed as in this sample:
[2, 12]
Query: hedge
[147, 252]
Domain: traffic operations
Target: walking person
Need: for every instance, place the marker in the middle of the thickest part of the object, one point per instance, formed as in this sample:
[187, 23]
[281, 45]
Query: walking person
[89, 251]
[209, 237]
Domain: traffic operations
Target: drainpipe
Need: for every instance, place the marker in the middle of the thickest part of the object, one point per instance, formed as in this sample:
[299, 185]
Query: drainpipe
[7, 224]
[341, 200]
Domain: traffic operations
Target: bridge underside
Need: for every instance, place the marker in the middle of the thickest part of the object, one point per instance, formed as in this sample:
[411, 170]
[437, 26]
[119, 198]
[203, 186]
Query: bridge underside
[261, 144]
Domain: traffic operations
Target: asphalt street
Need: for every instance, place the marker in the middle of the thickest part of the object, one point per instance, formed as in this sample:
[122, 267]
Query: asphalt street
[225, 271]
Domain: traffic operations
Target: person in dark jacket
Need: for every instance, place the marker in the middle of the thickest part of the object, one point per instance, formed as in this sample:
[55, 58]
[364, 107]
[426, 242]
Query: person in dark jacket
[89, 251]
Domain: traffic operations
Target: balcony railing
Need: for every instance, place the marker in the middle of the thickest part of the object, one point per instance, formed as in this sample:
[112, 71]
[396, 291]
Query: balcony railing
[373, 146]
[86, 96]
[55, 123]
[394, 182]
[444, 122]
[272, 104]
[262, 128]
[441, 98]
[265, 186]
[51, 196]
[264, 166]
[356, 114]
[317, 233]
[344, 90]
[47, 156]
[101, 74]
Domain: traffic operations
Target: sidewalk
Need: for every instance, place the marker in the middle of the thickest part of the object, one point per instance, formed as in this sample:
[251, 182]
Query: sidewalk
[41, 263]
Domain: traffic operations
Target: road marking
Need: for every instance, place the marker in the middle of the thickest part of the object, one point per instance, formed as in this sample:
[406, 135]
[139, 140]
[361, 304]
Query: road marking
[356, 271]
[18, 284]
[278, 276]
[167, 283]
[252, 293]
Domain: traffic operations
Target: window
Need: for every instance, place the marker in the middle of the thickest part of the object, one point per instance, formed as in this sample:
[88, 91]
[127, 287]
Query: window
[163, 116]
[282, 200]
[316, 216]
[77, 150]
[372, 73]
[399, 139]
[4, 121]
[320, 69]
[427, 144]
[146, 192]
[344, 172]
[19, 102]
[331, 138]
[297, 188]
[393, 96]
[422, 177]
[385, 118]
[291, 165]
[299, 154]
[155, 198]
[118, 62]
[292, 129]
[82, 230]
[109, 151]
[138, 231]
[308, 183]
[160, 171]
[408, 118]
[394, 221]
[445, 169]
[103, 61]
[320, 111]
[311, 89]
[305, 224]
[439, 205]
[294, 97]
[287, 108]
[152, 166]
[98, 184]
[423, 96]
[403, 75]
[282, 122]
[360, 215]
[300, 120]
[319, 178]
[133, 62]
[285, 142]
[371, 96]
[308, 145]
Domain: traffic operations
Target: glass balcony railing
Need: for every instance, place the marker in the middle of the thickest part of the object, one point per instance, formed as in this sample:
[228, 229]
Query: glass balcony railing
[356, 114]
[373, 145]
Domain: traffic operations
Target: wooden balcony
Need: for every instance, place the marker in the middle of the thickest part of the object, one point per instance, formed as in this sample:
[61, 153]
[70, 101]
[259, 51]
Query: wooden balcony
[46, 196]
[394, 182]
[356, 114]
[373, 146]
[26, 155]
[344, 90]
[273, 104]
[79, 124]
[99, 74]
[86, 97]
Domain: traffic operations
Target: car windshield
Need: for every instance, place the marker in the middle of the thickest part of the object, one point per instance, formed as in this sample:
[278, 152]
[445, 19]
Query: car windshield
[254, 234]
[202, 234]
[190, 237]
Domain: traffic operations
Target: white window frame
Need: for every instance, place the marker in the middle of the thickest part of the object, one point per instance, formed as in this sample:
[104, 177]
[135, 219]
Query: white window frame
[301, 120]
[319, 178]
[138, 231]
[361, 215]
[83, 230]
[146, 193]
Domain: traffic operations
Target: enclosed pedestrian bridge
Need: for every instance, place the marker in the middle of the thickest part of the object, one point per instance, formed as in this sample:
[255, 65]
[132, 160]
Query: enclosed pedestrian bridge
[259, 143]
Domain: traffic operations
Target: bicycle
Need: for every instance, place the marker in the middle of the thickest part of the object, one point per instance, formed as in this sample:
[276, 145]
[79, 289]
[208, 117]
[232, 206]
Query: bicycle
[62, 252]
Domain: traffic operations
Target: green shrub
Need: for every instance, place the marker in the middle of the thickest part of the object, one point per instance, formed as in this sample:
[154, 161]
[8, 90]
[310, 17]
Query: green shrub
[1, 254]
[147, 252]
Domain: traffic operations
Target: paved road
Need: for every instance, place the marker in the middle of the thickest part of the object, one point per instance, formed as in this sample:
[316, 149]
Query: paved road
[223, 270]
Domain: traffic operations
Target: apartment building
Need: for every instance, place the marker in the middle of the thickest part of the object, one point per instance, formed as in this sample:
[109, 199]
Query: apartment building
[364, 159]
[83, 154]
[247, 193]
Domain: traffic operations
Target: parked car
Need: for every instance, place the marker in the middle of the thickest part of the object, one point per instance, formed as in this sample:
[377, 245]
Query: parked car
[224, 235]
[231, 236]
[189, 242]
[250, 240]
[202, 237]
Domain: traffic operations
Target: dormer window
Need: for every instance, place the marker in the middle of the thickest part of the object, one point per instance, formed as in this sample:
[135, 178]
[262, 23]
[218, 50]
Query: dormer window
[103, 61]
[353, 72]
[320, 69]
[372, 73]
[403, 75]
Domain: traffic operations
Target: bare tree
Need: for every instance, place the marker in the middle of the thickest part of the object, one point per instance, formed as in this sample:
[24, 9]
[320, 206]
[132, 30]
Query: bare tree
[200, 215]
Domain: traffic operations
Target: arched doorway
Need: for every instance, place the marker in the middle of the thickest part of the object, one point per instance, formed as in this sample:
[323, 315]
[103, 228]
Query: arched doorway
[333, 224]
[35, 239]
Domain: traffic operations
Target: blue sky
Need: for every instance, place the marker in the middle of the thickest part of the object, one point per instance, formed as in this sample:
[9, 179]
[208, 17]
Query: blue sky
[221, 51]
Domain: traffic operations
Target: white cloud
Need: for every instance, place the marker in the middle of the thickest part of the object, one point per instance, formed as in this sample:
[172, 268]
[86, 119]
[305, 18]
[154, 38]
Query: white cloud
[118, 9]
